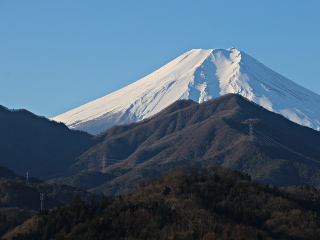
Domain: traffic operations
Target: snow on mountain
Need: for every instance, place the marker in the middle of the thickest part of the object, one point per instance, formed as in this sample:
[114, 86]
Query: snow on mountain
[199, 74]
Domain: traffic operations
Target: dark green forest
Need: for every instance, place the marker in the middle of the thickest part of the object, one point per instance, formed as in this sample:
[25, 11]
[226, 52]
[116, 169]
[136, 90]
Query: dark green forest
[188, 203]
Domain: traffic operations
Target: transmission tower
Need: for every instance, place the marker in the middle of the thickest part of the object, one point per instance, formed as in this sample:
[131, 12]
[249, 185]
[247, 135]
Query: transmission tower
[251, 132]
[42, 197]
[27, 179]
[103, 164]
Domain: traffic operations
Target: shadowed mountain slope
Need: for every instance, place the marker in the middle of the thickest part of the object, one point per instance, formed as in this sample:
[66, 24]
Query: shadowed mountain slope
[20, 200]
[275, 150]
[17, 193]
[36, 144]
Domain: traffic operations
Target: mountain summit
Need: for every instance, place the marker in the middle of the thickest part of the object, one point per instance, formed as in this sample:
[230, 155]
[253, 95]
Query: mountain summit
[199, 75]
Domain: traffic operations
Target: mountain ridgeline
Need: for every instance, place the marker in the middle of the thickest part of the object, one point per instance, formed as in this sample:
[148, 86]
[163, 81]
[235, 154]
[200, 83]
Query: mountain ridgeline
[198, 75]
[36, 144]
[186, 203]
[229, 130]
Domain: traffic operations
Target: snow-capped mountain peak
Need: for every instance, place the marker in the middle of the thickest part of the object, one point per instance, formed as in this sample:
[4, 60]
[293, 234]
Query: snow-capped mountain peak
[200, 75]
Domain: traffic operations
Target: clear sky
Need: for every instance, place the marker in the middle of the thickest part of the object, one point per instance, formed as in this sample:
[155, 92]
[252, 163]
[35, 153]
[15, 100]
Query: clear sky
[57, 55]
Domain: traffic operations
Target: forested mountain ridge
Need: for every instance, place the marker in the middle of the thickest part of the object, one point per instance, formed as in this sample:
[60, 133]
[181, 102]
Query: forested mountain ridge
[188, 203]
[20, 197]
[35, 144]
[228, 130]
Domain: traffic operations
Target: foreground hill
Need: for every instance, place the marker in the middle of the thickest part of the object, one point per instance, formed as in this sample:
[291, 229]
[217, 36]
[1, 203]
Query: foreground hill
[228, 130]
[19, 201]
[36, 144]
[15, 191]
[188, 203]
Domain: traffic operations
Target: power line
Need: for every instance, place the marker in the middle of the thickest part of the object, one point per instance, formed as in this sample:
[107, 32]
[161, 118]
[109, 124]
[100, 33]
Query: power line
[251, 131]
[272, 142]
[27, 179]
[64, 173]
[248, 130]
[103, 164]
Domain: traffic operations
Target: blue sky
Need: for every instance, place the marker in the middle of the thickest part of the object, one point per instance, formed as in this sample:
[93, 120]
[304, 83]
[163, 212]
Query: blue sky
[58, 55]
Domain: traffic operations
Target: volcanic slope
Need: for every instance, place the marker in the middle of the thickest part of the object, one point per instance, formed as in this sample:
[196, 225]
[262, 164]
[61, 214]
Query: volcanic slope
[229, 130]
[35, 144]
[198, 75]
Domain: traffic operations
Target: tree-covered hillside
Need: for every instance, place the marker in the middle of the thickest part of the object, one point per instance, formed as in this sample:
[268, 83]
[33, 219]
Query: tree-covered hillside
[188, 203]
[20, 199]
[275, 150]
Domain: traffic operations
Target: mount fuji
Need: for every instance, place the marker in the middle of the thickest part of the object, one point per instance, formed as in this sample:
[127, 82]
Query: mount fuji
[199, 75]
